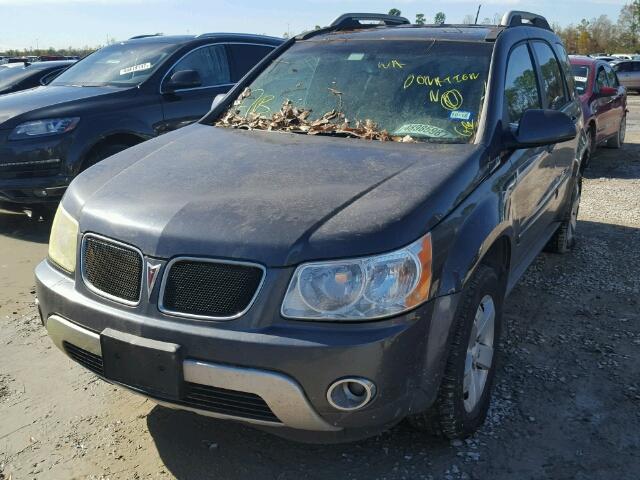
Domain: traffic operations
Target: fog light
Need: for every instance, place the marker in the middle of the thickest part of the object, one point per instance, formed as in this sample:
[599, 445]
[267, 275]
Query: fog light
[350, 394]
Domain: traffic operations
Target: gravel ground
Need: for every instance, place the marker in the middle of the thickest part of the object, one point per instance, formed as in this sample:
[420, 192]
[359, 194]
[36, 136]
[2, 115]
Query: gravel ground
[566, 405]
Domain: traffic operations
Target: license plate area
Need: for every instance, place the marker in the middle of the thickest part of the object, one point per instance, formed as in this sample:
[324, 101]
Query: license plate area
[147, 365]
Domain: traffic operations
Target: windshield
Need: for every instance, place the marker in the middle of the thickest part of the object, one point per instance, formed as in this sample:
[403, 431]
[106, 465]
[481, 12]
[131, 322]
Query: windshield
[118, 65]
[383, 89]
[581, 75]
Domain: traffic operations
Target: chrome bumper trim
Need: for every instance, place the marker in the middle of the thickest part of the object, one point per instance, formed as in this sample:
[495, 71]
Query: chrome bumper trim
[281, 393]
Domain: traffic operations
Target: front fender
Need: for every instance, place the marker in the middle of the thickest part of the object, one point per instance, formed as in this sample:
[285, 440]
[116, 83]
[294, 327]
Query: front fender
[474, 230]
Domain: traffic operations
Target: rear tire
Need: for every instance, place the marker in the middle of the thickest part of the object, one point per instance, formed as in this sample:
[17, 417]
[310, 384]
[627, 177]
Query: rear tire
[618, 140]
[592, 147]
[465, 391]
[565, 237]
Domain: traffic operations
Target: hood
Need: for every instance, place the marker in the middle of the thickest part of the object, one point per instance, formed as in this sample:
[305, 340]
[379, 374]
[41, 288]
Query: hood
[52, 97]
[272, 197]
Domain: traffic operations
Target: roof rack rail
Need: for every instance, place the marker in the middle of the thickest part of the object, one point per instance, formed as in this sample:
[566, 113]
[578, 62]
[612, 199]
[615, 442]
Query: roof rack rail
[517, 18]
[146, 36]
[354, 20]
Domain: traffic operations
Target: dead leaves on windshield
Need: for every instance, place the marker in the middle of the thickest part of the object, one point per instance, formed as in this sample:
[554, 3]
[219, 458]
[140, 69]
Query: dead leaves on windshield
[296, 120]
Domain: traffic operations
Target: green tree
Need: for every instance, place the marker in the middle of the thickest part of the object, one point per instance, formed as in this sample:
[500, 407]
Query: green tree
[420, 20]
[440, 18]
[395, 12]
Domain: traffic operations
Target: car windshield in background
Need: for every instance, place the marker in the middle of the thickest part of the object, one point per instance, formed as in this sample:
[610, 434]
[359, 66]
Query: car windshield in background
[118, 65]
[581, 75]
[12, 76]
[386, 90]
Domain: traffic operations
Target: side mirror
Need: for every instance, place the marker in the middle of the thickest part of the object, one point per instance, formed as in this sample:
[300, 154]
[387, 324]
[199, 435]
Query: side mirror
[217, 100]
[607, 92]
[183, 79]
[543, 127]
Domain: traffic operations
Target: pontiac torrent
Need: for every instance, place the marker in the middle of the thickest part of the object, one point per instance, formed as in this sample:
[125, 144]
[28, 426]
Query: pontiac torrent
[328, 251]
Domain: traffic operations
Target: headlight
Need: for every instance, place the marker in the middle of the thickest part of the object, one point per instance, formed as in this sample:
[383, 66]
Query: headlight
[64, 240]
[38, 128]
[361, 289]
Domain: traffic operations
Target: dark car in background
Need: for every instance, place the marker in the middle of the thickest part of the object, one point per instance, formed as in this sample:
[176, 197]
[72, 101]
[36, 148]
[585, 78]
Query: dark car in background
[328, 251]
[119, 96]
[29, 75]
[604, 101]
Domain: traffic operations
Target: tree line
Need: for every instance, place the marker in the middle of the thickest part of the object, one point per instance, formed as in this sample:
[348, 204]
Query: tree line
[598, 35]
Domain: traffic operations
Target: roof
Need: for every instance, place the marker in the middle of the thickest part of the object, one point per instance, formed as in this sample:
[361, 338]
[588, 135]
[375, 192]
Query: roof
[584, 60]
[39, 65]
[177, 39]
[470, 33]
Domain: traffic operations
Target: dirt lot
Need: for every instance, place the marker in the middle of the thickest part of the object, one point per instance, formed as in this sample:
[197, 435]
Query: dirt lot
[567, 402]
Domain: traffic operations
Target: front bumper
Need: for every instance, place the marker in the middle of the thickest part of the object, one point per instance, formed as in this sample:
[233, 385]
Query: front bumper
[290, 365]
[34, 171]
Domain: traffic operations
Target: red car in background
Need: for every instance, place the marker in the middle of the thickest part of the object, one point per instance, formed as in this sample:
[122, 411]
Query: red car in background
[604, 101]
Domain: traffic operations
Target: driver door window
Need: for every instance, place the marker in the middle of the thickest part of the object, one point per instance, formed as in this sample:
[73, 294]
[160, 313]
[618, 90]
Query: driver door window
[601, 79]
[521, 87]
[210, 62]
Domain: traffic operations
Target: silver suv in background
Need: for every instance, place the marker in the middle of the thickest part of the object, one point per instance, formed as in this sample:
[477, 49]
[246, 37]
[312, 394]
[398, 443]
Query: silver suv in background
[629, 74]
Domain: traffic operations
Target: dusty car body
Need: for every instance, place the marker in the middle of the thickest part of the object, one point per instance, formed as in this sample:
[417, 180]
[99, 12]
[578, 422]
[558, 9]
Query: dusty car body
[318, 277]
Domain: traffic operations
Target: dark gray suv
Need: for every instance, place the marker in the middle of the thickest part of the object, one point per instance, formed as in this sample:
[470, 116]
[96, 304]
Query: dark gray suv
[328, 251]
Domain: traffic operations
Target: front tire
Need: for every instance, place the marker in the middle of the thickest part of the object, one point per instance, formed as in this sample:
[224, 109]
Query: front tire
[465, 392]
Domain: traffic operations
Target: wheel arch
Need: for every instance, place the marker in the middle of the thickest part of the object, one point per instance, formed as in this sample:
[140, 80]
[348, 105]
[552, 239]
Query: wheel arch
[125, 138]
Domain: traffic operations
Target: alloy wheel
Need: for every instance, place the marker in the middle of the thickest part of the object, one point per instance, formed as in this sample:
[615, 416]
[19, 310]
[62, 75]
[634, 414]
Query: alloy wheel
[479, 359]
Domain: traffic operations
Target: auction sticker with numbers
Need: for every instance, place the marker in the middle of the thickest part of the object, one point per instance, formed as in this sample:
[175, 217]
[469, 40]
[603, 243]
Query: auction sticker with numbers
[135, 68]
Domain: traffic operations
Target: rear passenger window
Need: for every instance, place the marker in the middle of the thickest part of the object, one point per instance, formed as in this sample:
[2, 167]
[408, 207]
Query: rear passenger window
[566, 67]
[246, 56]
[622, 67]
[552, 82]
[521, 88]
[210, 62]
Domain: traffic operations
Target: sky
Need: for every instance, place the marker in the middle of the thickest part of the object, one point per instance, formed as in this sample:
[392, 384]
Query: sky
[63, 23]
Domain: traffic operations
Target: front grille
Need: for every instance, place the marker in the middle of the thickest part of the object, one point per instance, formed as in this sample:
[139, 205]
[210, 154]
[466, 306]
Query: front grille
[86, 359]
[210, 289]
[202, 397]
[228, 402]
[112, 268]
[27, 169]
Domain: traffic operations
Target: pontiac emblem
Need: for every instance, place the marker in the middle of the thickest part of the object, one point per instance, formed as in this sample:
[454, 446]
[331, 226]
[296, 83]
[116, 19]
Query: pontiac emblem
[152, 275]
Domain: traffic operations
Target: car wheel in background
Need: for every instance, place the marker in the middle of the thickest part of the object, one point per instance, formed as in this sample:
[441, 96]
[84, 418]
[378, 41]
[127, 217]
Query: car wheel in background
[465, 391]
[618, 140]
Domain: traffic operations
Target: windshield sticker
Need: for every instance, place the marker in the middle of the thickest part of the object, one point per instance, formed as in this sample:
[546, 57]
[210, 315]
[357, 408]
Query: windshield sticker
[460, 115]
[429, 81]
[391, 64]
[356, 56]
[135, 68]
[422, 129]
[581, 79]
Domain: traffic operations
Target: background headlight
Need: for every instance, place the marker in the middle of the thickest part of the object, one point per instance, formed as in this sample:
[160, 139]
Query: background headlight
[38, 128]
[361, 289]
[64, 240]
